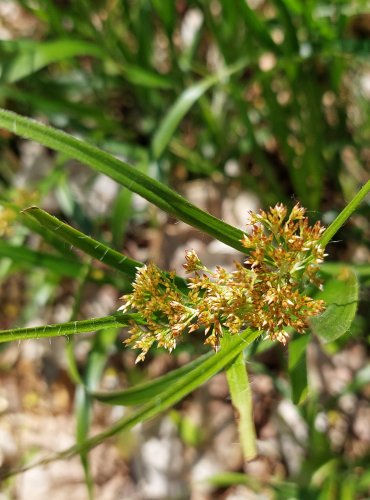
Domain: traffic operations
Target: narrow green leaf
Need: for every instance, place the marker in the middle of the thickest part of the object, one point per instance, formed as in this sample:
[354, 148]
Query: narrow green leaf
[241, 397]
[96, 362]
[120, 216]
[182, 105]
[176, 113]
[356, 48]
[291, 41]
[30, 57]
[142, 393]
[85, 243]
[257, 28]
[166, 10]
[348, 486]
[150, 189]
[341, 296]
[175, 392]
[297, 367]
[146, 78]
[35, 227]
[90, 246]
[80, 281]
[52, 105]
[83, 417]
[70, 328]
[344, 215]
[23, 255]
[284, 490]
[194, 161]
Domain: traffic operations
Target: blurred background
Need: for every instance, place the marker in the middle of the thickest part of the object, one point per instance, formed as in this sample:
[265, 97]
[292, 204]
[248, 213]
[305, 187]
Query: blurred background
[236, 105]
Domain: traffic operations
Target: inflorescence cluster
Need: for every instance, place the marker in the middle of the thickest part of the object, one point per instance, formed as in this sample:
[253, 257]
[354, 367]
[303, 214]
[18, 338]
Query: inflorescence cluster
[267, 292]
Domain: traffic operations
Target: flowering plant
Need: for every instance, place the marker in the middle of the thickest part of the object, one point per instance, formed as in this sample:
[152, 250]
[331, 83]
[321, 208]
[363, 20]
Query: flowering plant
[268, 292]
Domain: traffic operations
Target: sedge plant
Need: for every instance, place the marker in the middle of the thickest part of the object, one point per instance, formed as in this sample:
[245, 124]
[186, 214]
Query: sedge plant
[271, 294]
[283, 72]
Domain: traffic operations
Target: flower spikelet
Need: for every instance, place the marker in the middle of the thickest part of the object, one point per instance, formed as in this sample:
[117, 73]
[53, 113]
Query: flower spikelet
[266, 293]
[160, 304]
[285, 254]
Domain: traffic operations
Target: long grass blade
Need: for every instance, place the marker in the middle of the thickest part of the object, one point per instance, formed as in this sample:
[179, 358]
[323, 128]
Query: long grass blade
[96, 362]
[256, 26]
[88, 245]
[345, 214]
[30, 57]
[150, 189]
[241, 397]
[55, 263]
[175, 392]
[142, 393]
[297, 366]
[182, 105]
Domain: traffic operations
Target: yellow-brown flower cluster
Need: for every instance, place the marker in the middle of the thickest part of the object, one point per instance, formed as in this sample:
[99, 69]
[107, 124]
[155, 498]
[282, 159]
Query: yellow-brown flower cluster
[266, 293]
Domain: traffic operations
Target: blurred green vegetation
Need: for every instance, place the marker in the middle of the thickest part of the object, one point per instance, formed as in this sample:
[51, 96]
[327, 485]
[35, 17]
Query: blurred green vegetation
[119, 73]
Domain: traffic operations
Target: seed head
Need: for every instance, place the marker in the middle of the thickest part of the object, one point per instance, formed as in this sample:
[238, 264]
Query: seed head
[266, 293]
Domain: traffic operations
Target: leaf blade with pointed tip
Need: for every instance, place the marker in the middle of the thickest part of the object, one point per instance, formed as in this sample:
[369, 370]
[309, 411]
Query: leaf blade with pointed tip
[88, 245]
[154, 191]
[31, 57]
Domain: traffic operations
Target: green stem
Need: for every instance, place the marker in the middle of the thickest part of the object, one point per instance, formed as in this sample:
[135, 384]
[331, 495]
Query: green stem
[344, 215]
[71, 328]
